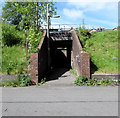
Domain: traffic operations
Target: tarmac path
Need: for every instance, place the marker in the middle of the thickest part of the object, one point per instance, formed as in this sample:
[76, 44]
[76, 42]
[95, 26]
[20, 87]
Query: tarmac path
[60, 97]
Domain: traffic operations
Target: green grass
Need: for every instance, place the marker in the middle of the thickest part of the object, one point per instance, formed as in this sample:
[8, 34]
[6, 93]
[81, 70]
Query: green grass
[12, 83]
[13, 59]
[103, 49]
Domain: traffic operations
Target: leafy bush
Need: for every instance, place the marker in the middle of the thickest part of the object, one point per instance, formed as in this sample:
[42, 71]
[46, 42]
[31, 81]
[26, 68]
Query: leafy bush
[10, 35]
[34, 38]
[83, 81]
[84, 35]
[24, 80]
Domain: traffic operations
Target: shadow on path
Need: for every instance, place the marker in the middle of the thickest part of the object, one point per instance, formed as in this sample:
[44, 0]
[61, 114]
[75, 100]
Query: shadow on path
[55, 73]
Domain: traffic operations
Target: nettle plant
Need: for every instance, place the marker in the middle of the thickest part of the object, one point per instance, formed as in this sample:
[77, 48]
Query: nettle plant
[24, 80]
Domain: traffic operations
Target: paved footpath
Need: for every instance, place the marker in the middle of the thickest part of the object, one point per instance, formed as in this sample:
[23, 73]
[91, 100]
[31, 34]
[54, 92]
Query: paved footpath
[55, 98]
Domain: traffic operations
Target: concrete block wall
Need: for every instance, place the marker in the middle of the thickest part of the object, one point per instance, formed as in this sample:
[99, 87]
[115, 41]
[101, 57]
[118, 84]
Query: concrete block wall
[81, 60]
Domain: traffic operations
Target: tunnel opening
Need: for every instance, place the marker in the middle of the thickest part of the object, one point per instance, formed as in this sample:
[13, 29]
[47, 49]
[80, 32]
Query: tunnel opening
[59, 59]
[61, 54]
[57, 54]
[60, 62]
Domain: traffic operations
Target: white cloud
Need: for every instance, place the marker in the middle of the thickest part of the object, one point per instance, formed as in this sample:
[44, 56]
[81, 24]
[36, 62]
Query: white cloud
[73, 13]
[94, 5]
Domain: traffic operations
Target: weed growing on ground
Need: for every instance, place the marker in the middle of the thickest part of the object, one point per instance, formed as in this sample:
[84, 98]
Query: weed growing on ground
[83, 81]
[73, 71]
[24, 80]
[42, 82]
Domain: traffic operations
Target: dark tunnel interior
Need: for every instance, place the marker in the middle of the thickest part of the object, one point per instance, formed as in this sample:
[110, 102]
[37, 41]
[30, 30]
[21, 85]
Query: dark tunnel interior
[60, 53]
[59, 59]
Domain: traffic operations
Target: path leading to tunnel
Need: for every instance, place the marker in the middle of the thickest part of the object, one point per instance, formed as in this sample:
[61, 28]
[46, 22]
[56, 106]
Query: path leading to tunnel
[60, 97]
[60, 77]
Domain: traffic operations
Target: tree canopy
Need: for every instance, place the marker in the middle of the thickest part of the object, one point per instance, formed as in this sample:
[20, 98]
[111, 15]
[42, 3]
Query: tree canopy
[27, 14]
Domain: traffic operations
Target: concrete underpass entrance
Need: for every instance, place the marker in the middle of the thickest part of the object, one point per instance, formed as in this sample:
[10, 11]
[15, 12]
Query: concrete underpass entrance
[57, 55]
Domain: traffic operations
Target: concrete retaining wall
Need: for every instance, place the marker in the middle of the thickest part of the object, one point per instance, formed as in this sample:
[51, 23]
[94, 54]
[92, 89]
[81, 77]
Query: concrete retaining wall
[6, 77]
[106, 76]
[81, 60]
[116, 77]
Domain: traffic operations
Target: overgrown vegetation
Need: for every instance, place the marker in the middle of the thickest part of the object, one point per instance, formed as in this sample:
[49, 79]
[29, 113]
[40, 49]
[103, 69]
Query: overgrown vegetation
[22, 81]
[84, 35]
[13, 59]
[103, 50]
[10, 36]
[34, 38]
[21, 35]
[83, 81]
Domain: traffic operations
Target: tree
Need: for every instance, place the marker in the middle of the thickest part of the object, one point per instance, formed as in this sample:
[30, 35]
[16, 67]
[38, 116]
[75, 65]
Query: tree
[10, 14]
[27, 14]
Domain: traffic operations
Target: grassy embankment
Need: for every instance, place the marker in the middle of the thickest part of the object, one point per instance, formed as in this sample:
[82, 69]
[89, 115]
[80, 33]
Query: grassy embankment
[103, 49]
[13, 59]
